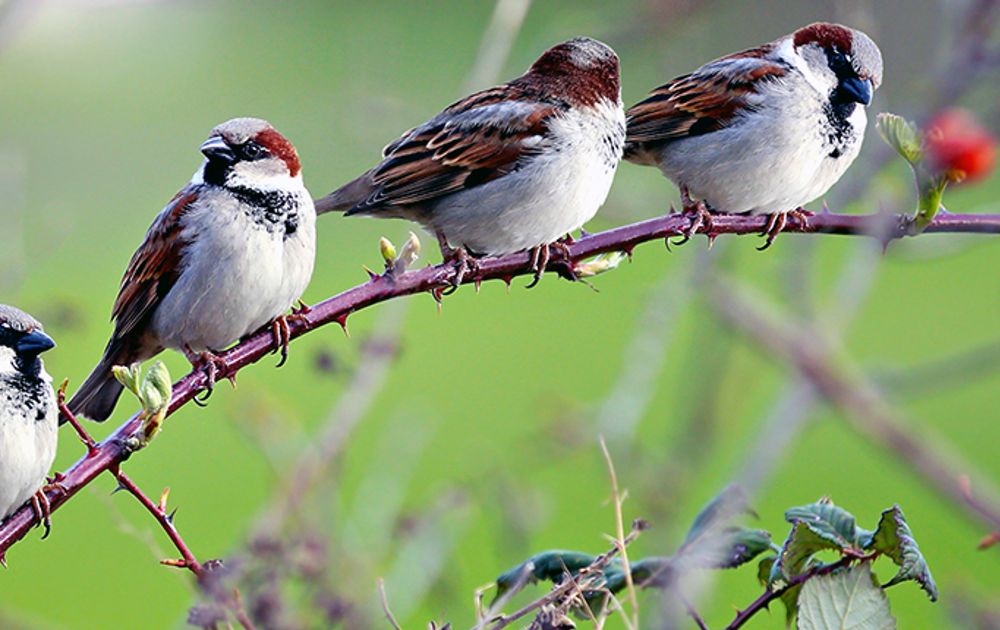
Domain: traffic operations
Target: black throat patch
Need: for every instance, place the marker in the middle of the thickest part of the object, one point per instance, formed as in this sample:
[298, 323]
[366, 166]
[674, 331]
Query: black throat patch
[26, 395]
[274, 211]
[838, 134]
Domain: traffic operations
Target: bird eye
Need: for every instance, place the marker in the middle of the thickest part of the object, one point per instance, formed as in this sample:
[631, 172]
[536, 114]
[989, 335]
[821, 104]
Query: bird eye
[252, 150]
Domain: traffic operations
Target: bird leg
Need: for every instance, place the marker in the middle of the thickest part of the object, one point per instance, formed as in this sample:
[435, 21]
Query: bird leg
[43, 510]
[209, 363]
[465, 263]
[777, 221]
[539, 261]
[698, 214]
[281, 332]
[282, 336]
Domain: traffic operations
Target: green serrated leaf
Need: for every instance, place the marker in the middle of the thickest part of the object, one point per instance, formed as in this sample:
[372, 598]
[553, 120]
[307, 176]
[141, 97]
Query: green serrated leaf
[797, 552]
[902, 135]
[844, 600]
[831, 523]
[548, 565]
[894, 539]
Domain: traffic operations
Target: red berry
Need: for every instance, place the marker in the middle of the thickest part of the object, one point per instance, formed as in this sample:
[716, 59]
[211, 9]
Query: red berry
[958, 147]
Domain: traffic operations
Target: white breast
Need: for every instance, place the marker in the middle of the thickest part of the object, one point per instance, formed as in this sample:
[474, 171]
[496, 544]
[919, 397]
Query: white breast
[236, 276]
[27, 445]
[773, 159]
[552, 195]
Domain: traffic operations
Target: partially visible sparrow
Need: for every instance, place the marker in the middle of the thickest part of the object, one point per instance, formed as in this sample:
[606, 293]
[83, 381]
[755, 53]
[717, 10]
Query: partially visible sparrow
[230, 253]
[765, 130]
[510, 168]
[28, 413]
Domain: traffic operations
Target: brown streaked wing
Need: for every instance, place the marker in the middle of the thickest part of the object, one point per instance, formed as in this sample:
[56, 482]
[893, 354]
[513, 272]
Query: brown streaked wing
[703, 101]
[154, 267]
[442, 157]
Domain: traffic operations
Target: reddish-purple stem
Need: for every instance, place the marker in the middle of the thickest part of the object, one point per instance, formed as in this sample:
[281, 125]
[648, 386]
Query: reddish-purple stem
[769, 595]
[114, 449]
[188, 561]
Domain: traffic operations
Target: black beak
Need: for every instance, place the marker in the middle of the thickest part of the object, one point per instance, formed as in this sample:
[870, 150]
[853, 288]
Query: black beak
[216, 150]
[856, 90]
[34, 343]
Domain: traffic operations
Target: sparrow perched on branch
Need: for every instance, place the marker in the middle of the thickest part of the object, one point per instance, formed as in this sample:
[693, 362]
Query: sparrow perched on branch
[515, 167]
[761, 131]
[28, 412]
[230, 253]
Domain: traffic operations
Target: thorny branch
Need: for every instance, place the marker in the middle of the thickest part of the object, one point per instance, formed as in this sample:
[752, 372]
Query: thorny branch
[769, 595]
[434, 279]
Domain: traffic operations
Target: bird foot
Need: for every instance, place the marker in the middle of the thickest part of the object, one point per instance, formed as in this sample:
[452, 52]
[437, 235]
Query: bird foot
[777, 221]
[43, 510]
[539, 261]
[699, 216]
[465, 265]
[281, 332]
[211, 364]
[282, 336]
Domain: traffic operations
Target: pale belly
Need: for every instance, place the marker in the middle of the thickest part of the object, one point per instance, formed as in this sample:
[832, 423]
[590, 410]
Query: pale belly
[233, 285]
[27, 449]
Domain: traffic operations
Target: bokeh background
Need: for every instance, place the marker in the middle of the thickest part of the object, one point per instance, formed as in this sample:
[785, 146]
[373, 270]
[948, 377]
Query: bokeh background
[468, 437]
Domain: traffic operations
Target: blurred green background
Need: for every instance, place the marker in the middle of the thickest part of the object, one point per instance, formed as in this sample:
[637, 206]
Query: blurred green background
[481, 447]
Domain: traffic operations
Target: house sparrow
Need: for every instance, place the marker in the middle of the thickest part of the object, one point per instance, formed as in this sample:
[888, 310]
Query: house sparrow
[510, 168]
[231, 252]
[765, 130]
[28, 413]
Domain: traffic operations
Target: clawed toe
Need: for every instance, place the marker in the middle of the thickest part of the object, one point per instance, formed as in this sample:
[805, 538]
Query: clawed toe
[282, 337]
[209, 363]
[43, 510]
[699, 216]
[539, 261]
[776, 223]
[465, 265]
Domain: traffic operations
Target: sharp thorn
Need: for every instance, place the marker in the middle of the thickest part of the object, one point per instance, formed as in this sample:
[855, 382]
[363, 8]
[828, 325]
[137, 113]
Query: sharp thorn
[342, 320]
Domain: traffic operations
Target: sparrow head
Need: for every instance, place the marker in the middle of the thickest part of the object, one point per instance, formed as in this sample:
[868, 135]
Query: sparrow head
[21, 341]
[249, 152]
[581, 69]
[847, 58]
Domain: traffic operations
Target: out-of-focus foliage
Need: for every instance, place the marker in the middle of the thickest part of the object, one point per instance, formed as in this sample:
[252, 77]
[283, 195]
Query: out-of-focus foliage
[480, 448]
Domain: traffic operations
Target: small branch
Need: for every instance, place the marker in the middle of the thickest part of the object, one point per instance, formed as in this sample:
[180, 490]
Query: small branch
[166, 521]
[576, 582]
[114, 449]
[694, 613]
[618, 499]
[769, 596]
[385, 604]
